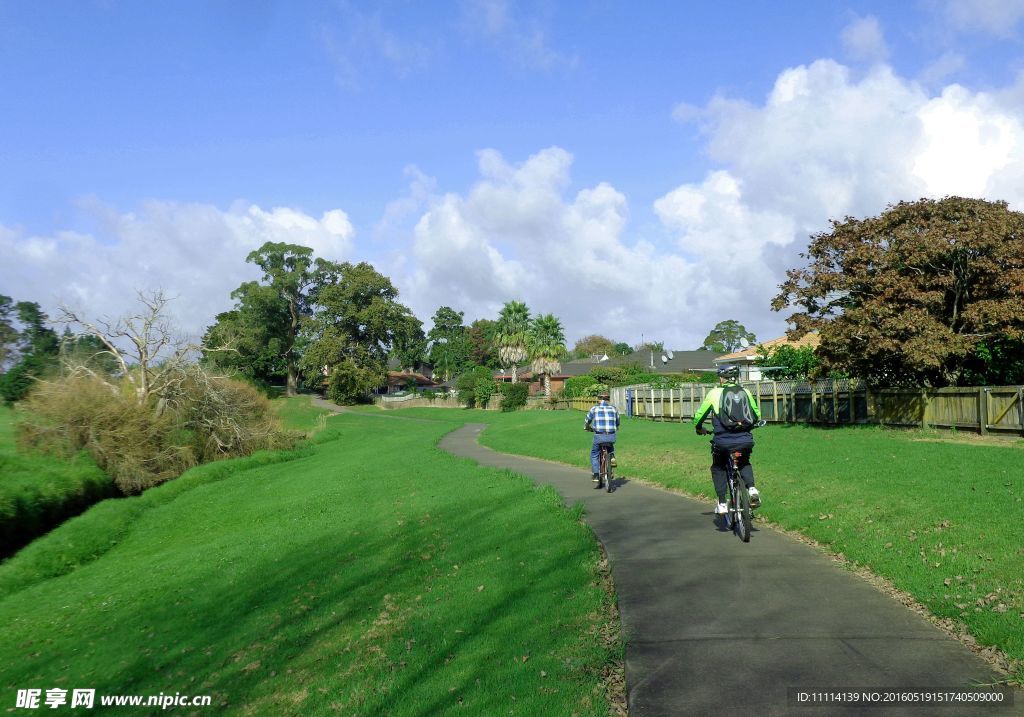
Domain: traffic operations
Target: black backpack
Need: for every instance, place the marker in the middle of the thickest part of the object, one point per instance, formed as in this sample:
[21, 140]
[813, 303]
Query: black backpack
[734, 411]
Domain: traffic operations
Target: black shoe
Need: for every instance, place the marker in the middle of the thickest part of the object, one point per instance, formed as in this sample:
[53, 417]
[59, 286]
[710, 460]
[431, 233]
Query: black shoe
[596, 478]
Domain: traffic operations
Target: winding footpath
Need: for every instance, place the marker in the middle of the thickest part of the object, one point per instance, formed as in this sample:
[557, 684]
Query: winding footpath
[713, 624]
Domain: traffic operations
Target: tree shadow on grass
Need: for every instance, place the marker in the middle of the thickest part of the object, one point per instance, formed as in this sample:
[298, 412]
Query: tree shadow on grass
[278, 636]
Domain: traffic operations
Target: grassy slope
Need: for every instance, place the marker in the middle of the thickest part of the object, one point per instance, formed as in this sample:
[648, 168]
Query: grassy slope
[37, 492]
[942, 520]
[368, 573]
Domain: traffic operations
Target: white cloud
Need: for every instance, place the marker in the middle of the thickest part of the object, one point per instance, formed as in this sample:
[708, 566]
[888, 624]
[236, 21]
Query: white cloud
[863, 40]
[193, 251]
[995, 17]
[947, 64]
[825, 143]
[524, 39]
[516, 235]
[361, 41]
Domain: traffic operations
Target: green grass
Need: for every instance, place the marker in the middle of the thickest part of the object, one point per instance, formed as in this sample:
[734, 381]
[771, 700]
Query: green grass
[38, 492]
[297, 413]
[365, 574]
[940, 519]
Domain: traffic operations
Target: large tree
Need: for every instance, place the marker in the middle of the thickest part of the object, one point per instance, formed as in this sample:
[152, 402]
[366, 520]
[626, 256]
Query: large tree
[593, 345]
[355, 325]
[409, 346]
[510, 335]
[728, 336]
[291, 271]
[546, 345]
[449, 343]
[481, 343]
[912, 296]
[257, 330]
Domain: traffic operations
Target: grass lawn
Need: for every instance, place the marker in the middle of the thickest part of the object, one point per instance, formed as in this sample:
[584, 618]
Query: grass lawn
[366, 573]
[941, 519]
[38, 492]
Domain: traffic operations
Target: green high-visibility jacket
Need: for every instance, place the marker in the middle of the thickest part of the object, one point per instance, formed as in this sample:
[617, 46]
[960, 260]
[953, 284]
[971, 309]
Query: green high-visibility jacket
[711, 403]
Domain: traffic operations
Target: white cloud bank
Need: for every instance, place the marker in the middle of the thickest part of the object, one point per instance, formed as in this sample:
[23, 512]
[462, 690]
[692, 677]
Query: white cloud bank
[826, 142]
[195, 252]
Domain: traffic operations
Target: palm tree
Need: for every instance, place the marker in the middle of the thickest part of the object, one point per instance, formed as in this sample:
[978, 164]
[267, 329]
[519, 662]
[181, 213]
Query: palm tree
[510, 334]
[546, 343]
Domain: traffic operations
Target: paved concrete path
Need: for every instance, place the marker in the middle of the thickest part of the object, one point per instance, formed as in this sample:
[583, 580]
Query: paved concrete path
[715, 625]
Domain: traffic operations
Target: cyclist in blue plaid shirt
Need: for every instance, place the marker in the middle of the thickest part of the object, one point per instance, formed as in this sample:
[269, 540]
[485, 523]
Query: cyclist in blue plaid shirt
[603, 420]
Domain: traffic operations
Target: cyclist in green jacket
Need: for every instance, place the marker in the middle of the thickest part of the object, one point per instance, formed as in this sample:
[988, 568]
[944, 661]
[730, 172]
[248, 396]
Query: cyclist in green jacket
[731, 423]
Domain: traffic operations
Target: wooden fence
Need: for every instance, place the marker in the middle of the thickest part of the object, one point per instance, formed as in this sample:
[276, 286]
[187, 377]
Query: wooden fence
[984, 409]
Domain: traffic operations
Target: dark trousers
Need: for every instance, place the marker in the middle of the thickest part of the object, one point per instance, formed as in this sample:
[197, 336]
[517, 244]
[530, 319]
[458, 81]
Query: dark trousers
[720, 467]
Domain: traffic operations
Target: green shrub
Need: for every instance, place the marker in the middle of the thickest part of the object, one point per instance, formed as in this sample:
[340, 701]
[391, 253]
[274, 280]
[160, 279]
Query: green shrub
[18, 382]
[578, 385]
[514, 395]
[482, 392]
[611, 375]
[351, 383]
[467, 382]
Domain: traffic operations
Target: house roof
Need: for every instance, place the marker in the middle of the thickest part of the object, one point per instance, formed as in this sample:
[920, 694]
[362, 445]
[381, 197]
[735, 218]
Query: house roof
[750, 353]
[680, 362]
[401, 377]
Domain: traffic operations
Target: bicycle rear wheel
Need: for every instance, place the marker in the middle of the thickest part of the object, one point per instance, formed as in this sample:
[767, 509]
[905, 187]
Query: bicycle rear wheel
[609, 483]
[602, 465]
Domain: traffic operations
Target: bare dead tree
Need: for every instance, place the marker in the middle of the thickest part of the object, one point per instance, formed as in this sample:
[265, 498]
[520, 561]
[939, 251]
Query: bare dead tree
[149, 350]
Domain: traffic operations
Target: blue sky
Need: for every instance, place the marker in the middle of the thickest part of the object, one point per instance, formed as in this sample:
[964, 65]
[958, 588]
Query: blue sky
[601, 161]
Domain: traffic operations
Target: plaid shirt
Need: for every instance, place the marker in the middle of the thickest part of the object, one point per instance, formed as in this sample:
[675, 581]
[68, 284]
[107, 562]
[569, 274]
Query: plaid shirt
[603, 418]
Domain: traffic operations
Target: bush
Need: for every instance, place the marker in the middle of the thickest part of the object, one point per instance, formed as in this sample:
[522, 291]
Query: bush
[351, 383]
[578, 385]
[142, 444]
[467, 382]
[611, 375]
[18, 382]
[482, 392]
[662, 380]
[514, 395]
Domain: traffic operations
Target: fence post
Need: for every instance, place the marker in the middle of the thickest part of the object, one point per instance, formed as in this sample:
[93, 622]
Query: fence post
[814, 402]
[775, 400]
[693, 409]
[983, 411]
[1020, 408]
[925, 404]
[835, 403]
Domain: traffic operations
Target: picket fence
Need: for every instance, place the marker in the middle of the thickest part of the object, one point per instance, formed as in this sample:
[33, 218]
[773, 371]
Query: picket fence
[984, 409]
